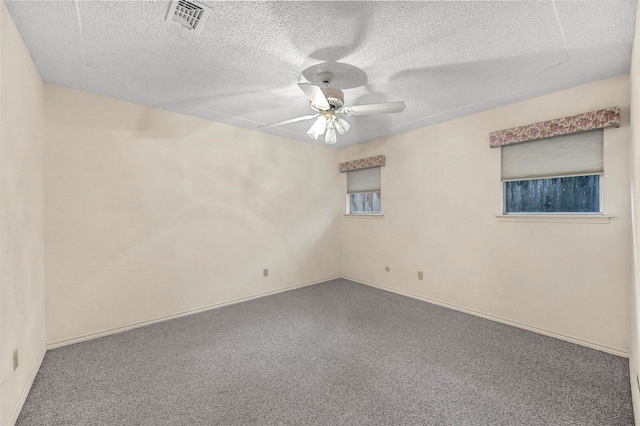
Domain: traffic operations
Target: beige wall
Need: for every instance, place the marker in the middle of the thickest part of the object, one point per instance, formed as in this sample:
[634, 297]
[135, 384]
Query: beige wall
[441, 193]
[21, 219]
[152, 214]
[634, 358]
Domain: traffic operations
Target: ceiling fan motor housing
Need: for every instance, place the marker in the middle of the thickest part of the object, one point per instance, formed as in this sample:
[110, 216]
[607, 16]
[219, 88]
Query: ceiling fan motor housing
[335, 97]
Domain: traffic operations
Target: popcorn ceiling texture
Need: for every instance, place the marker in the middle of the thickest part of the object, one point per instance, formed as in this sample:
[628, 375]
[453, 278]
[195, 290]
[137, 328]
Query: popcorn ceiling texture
[444, 59]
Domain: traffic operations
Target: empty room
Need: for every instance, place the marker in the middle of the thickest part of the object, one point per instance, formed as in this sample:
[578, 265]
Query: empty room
[319, 213]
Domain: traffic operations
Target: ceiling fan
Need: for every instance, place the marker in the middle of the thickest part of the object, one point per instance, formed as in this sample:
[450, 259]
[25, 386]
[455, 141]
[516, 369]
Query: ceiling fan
[329, 104]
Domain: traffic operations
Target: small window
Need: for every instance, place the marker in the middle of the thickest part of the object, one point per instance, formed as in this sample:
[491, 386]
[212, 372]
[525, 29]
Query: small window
[365, 202]
[561, 174]
[363, 191]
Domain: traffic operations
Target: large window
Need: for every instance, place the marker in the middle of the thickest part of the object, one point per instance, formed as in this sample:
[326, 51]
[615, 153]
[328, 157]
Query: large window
[363, 191]
[562, 174]
[572, 194]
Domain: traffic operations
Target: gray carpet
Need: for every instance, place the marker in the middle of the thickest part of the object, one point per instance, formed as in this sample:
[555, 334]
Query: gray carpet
[337, 353]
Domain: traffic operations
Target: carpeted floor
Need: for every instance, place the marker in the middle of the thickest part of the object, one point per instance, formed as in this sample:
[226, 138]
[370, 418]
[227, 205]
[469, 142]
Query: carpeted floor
[337, 353]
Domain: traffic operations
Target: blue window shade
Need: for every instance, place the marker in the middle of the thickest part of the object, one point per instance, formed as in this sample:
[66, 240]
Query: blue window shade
[573, 194]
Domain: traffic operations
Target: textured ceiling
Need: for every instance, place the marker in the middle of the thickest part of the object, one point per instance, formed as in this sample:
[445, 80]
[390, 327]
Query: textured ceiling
[445, 59]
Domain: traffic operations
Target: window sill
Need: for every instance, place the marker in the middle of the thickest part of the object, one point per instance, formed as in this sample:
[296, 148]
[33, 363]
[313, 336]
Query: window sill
[554, 218]
[365, 215]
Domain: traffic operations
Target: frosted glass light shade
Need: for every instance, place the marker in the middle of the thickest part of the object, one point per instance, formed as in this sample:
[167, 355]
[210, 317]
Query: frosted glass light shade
[330, 136]
[342, 126]
[318, 128]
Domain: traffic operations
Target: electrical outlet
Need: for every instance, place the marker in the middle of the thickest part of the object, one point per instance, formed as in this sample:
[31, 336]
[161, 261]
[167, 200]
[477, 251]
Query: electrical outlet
[265, 272]
[15, 360]
[420, 275]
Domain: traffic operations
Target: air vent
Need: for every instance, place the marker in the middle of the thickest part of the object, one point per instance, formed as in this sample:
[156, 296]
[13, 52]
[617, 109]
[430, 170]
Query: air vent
[188, 14]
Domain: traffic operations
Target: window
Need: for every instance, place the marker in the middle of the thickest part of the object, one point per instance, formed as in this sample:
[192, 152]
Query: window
[572, 194]
[363, 191]
[562, 174]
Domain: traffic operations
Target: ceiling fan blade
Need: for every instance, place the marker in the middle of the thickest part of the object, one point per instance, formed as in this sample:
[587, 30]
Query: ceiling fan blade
[315, 95]
[291, 120]
[387, 107]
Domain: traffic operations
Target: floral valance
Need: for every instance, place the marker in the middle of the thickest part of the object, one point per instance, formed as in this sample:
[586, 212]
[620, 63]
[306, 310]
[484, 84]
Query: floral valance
[363, 163]
[608, 117]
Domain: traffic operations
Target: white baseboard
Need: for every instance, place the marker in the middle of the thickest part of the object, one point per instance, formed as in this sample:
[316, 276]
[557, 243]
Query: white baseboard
[27, 387]
[570, 339]
[180, 314]
[578, 341]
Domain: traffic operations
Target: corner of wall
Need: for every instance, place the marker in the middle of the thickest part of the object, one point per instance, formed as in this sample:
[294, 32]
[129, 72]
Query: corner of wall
[21, 220]
[236, 202]
[634, 356]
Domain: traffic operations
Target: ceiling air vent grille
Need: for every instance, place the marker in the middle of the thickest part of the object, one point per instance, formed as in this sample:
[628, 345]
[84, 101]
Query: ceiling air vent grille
[189, 14]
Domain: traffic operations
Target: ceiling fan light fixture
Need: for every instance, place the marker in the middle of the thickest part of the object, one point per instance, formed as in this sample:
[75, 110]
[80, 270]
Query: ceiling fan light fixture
[342, 126]
[330, 136]
[328, 102]
[318, 127]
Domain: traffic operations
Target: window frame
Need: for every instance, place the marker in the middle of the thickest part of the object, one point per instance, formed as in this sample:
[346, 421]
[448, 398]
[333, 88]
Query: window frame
[589, 170]
[348, 211]
[601, 119]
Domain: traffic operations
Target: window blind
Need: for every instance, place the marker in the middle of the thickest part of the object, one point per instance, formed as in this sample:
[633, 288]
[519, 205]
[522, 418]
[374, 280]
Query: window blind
[567, 155]
[363, 180]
